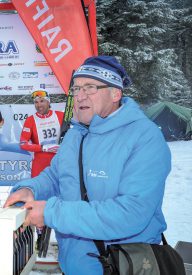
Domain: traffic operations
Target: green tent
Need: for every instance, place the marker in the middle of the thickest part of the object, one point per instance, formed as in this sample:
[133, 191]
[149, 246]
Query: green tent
[174, 120]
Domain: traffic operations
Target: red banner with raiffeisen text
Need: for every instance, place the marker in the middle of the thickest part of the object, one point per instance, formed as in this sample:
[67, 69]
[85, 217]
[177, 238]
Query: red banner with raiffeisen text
[61, 31]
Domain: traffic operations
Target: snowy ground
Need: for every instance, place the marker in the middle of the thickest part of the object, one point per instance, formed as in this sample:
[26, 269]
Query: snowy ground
[178, 194]
[177, 204]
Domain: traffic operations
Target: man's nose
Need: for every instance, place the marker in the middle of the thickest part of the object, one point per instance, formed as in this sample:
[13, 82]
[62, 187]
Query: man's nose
[39, 104]
[81, 94]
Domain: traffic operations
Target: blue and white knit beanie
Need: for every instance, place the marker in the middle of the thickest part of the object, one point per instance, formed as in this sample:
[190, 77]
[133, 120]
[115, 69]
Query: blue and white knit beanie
[105, 69]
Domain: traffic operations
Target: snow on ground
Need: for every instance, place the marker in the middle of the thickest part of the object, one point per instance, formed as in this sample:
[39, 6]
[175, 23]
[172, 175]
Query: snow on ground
[177, 205]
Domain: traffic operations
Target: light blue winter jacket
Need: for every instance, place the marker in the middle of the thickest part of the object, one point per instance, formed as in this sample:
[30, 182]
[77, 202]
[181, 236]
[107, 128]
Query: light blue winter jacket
[126, 161]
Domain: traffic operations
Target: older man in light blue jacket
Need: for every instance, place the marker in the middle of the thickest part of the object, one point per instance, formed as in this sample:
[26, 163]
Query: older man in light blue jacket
[125, 164]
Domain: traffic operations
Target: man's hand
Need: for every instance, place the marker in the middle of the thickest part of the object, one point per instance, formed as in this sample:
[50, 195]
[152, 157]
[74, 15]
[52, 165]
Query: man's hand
[35, 213]
[21, 195]
[52, 148]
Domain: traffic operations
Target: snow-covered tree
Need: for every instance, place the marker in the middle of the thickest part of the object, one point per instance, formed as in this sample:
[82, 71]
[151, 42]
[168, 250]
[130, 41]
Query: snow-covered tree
[152, 39]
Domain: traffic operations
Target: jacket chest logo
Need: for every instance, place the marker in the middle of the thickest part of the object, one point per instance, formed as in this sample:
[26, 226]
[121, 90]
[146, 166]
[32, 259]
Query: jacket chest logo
[97, 174]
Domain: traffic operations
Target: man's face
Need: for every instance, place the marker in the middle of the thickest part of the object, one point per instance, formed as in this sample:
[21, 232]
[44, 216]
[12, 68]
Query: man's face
[42, 105]
[101, 103]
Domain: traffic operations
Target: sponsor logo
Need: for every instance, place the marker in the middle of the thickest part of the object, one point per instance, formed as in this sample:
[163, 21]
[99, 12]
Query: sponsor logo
[9, 56]
[12, 64]
[30, 74]
[6, 27]
[9, 48]
[97, 174]
[42, 86]
[14, 75]
[48, 86]
[9, 177]
[63, 46]
[6, 88]
[14, 165]
[49, 74]
[41, 63]
[25, 88]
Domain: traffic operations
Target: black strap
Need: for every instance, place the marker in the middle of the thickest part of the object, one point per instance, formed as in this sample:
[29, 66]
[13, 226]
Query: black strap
[82, 185]
[99, 244]
[164, 241]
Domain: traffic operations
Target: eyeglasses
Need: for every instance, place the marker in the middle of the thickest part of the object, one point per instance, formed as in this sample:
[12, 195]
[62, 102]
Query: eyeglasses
[39, 93]
[89, 89]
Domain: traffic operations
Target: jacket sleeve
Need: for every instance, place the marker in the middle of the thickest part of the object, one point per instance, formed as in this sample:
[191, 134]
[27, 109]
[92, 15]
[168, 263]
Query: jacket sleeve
[47, 181]
[26, 136]
[46, 184]
[140, 194]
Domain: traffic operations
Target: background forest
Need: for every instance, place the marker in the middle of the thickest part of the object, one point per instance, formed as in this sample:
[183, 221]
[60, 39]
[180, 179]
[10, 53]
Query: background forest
[153, 40]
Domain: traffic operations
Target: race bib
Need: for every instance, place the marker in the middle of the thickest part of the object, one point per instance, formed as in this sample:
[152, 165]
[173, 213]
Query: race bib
[48, 129]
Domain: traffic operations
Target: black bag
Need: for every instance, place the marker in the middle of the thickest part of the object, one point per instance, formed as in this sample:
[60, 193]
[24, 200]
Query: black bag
[142, 259]
[134, 258]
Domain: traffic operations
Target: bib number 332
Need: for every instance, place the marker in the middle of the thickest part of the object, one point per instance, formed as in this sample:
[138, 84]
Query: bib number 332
[49, 133]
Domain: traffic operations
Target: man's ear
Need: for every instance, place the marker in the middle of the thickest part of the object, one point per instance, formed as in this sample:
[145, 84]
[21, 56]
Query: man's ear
[116, 94]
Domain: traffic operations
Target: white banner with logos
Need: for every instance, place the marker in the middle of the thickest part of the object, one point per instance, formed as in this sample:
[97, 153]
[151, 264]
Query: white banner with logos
[15, 163]
[23, 67]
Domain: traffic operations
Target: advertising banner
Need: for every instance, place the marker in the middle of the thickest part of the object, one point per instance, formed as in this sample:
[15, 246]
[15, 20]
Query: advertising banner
[39, 49]
[60, 29]
[23, 68]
